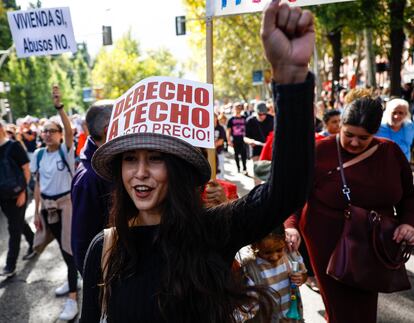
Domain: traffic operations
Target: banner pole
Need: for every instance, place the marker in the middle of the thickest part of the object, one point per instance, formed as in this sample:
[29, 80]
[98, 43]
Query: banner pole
[210, 79]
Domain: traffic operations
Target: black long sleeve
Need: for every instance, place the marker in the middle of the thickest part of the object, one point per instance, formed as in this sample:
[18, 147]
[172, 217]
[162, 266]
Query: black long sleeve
[269, 204]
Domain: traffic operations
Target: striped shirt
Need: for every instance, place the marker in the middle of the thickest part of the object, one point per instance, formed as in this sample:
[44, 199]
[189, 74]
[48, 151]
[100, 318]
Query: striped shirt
[277, 279]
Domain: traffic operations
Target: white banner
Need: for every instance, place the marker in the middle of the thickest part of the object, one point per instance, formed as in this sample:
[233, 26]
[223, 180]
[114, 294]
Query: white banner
[42, 31]
[166, 105]
[232, 7]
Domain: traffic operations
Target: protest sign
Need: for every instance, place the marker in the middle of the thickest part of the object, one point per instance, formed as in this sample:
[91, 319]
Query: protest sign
[43, 31]
[232, 7]
[166, 105]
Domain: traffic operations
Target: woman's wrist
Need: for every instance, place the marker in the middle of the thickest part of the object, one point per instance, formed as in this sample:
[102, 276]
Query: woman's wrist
[289, 74]
[59, 107]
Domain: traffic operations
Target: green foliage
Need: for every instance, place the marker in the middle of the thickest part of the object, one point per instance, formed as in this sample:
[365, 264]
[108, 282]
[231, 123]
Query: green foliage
[31, 80]
[118, 69]
[237, 51]
[81, 77]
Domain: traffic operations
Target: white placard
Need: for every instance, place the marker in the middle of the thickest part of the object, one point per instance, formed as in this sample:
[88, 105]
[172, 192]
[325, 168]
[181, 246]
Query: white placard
[232, 7]
[166, 105]
[42, 31]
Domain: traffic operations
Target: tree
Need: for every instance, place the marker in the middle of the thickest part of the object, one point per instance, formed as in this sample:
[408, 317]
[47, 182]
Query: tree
[397, 37]
[237, 51]
[117, 70]
[5, 35]
[81, 75]
[120, 68]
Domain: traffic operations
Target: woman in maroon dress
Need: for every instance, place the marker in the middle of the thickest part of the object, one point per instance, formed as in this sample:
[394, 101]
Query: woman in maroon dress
[381, 181]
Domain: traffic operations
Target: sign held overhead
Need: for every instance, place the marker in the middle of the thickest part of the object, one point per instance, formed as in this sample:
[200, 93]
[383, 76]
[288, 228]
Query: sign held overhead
[166, 105]
[43, 31]
[232, 7]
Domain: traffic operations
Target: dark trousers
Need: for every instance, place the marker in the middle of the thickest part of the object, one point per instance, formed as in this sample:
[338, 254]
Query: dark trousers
[240, 149]
[16, 225]
[56, 229]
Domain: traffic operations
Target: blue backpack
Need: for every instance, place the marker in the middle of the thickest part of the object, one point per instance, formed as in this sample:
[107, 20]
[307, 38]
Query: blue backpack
[12, 180]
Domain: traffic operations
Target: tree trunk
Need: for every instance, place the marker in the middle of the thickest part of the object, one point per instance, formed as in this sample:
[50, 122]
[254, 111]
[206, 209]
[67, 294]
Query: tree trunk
[334, 38]
[397, 38]
[317, 73]
[359, 56]
[369, 55]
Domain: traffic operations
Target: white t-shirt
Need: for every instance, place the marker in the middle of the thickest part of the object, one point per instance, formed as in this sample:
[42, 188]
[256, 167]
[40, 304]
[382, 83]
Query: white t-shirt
[54, 176]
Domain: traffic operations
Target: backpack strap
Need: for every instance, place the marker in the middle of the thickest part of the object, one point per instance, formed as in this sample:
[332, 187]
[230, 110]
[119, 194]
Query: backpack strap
[39, 157]
[62, 156]
[107, 245]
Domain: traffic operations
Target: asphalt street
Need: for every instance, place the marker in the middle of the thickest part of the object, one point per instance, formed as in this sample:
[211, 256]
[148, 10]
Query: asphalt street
[29, 296]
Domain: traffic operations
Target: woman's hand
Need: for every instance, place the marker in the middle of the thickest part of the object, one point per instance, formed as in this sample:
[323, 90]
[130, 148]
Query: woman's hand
[56, 96]
[404, 232]
[288, 38]
[297, 278]
[37, 222]
[292, 239]
[21, 198]
[215, 194]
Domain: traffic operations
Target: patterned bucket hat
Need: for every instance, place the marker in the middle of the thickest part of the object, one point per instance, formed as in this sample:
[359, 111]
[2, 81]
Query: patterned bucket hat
[102, 160]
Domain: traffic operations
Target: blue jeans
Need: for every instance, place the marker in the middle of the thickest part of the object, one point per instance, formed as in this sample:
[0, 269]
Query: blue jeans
[16, 226]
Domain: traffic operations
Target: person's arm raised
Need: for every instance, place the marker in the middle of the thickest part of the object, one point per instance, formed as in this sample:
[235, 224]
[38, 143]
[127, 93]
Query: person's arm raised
[288, 39]
[67, 128]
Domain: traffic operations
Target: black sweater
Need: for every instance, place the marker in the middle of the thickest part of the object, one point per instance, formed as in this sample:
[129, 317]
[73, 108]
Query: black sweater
[134, 298]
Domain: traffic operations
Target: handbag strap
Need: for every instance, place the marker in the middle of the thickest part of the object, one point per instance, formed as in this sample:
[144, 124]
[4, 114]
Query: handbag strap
[345, 189]
[404, 250]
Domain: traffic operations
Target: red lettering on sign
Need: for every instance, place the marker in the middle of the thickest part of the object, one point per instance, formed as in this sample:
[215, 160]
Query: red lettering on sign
[128, 118]
[138, 94]
[114, 130]
[156, 126]
[186, 132]
[164, 87]
[176, 130]
[166, 128]
[140, 112]
[128, 101]
[155, 113]
[201, 97]
[200, 135]
[119, 108]
[200, 117]
[185, 93]
[151, 89]
[179, 113]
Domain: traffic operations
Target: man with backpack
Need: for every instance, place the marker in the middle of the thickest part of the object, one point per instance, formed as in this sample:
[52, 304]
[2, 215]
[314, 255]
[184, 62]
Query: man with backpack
[14, 176]
[54, 167]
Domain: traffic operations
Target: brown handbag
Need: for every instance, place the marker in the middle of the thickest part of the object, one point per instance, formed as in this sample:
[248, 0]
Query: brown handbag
[366, 256]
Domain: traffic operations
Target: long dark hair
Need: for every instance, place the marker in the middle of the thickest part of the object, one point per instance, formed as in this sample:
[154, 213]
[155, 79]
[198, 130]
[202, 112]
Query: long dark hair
[197, 285]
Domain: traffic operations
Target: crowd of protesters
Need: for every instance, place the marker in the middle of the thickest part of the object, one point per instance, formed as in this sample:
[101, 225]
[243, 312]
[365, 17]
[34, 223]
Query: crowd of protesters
[172, 258]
